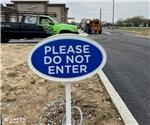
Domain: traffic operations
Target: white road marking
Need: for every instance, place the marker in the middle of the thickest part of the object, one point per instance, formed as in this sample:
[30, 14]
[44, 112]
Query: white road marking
[126, 34]
[107, 32]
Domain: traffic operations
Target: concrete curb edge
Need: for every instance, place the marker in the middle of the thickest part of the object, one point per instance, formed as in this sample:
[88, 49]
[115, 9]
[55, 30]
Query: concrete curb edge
[126, 115]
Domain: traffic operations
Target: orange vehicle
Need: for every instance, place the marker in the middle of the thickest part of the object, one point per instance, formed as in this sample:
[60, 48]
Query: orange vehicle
[93, 26]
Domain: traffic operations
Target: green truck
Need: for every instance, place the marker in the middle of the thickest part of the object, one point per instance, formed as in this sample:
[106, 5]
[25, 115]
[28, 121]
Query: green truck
[34, 26]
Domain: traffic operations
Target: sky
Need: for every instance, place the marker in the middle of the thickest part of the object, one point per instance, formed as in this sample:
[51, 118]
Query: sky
[80, 9]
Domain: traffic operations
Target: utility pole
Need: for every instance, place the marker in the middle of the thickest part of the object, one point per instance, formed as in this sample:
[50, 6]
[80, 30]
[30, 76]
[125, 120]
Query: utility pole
[100, 14]
[113, 15]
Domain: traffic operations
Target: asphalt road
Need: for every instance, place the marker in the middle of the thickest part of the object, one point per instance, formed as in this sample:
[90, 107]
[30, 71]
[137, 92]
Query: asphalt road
[128, 69]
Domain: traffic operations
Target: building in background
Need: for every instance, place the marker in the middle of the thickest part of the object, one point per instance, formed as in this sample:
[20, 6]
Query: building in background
[6, 14]
[40, 7]
[71, 20]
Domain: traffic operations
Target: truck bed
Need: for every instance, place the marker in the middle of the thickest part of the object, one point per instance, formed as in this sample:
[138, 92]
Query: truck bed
[11, 26]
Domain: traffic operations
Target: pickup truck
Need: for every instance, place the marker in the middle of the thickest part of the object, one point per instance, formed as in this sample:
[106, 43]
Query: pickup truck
[34, 26]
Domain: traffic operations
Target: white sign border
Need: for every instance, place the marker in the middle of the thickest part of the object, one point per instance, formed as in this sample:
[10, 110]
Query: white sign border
[67, 36]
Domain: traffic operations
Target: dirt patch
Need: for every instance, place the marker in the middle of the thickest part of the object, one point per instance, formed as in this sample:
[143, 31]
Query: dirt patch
[28, 99]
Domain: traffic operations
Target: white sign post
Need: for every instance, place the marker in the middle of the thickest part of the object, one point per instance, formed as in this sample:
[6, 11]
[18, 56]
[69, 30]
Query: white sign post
[68, 103]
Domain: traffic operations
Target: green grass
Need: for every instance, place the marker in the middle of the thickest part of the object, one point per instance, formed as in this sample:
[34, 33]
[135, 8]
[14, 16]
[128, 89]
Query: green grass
[137, 30]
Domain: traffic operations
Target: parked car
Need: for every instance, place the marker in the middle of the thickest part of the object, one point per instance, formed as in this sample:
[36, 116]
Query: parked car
[84, 23]
[34, 26]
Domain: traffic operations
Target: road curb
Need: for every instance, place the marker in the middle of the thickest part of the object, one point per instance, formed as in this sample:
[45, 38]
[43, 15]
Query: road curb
[126, 115]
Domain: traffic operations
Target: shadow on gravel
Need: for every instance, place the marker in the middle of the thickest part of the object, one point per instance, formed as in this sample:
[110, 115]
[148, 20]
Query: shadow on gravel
[24, 41]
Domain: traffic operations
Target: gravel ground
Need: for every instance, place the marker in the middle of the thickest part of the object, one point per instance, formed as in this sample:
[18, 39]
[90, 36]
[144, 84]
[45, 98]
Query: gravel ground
[30, 100]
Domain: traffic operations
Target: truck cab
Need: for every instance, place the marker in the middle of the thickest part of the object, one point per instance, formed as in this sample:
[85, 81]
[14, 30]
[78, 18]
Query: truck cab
[56, 28]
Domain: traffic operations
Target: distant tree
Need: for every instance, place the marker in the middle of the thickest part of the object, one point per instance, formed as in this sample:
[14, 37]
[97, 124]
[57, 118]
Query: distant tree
[134, 22]
[149, 23]
[120, 23]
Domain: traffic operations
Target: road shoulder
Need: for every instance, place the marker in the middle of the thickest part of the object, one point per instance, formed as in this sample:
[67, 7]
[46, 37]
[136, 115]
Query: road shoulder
[118, 102]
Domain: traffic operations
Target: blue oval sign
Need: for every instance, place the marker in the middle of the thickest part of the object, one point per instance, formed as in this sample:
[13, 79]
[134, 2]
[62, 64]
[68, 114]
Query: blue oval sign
[67, 58]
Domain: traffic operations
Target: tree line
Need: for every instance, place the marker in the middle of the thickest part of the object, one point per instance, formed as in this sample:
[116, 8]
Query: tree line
[138, 21]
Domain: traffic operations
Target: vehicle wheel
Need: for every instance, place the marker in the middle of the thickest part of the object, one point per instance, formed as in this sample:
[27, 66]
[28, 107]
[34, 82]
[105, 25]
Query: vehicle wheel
[3, 39]
[89, 31]
[100, 32]
[84, 30]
